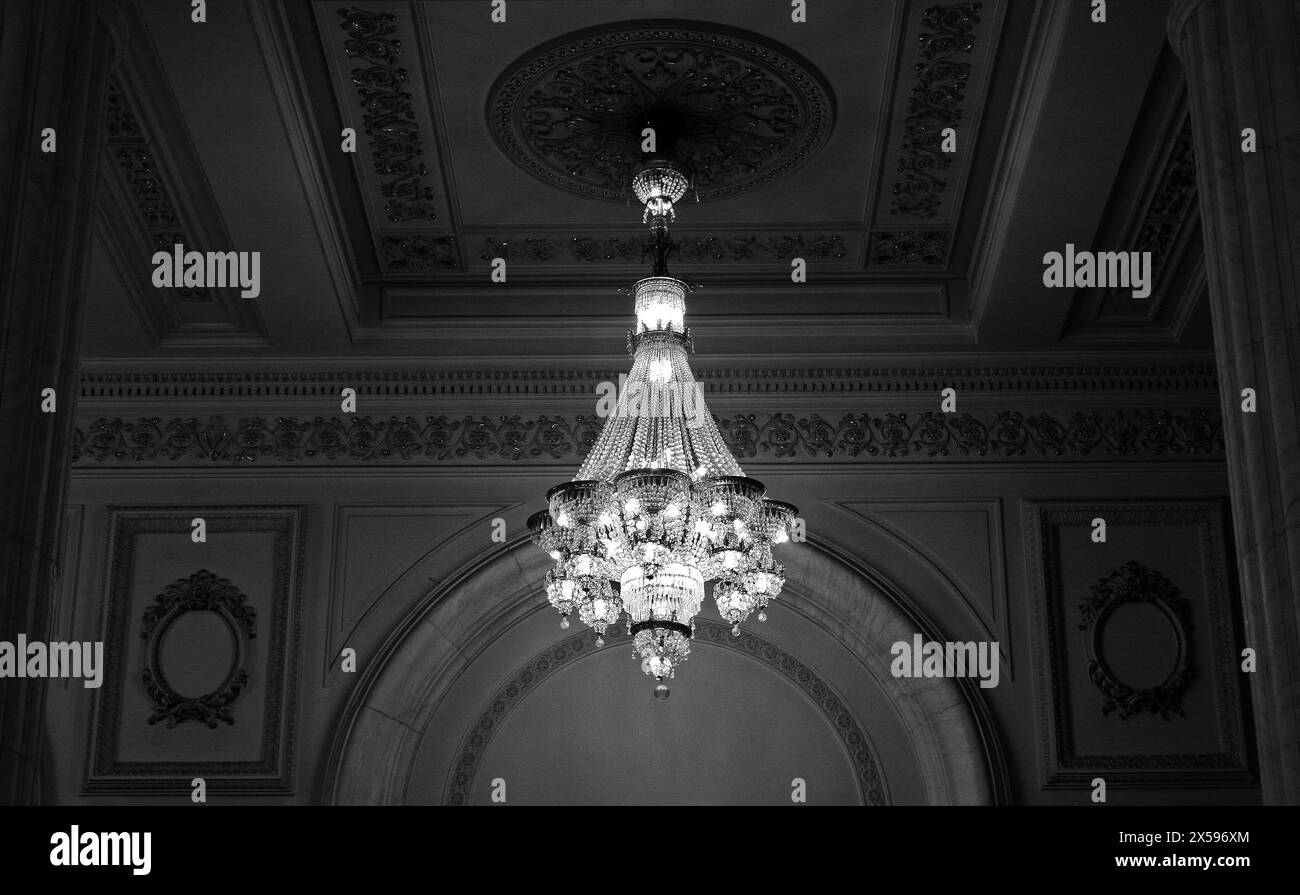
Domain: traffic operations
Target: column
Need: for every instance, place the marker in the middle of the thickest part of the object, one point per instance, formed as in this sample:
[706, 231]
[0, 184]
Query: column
[1242, 59]
[55, 57]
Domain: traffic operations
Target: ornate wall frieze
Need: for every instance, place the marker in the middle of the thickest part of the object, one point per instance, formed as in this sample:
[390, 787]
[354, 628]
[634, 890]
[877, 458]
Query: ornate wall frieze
[542, 666]
[388, 115]
[569, 112]
[612, 248]
[934, 104]
[152, 201]
[543, 249]
[769, 436]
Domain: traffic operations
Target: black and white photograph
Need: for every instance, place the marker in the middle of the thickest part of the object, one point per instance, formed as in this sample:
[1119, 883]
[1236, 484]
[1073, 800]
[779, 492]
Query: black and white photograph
[650, 403]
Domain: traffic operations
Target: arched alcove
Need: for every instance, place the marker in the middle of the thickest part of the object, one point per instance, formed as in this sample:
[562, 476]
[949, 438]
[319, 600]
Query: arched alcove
[480, 684]
[733, 733]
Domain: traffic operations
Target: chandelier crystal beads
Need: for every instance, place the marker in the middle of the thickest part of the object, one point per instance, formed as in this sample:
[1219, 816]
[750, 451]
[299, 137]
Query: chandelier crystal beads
[660, 507]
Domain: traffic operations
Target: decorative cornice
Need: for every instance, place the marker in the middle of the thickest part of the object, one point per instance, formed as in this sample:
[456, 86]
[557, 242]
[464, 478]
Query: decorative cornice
[388, 116]
[935, 103]
[418, 384]
[364, 439]
[545, 664]
[694, 249]
[569, 112]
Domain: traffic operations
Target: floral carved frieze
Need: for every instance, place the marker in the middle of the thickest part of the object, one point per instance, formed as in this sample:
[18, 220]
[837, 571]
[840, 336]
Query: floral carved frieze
[1173, 205]
[747, 110]
[152, 201]
[388, 114]
[417, 252]
[940, 74]
[909, 248]
[523, 438]
[1134, 582]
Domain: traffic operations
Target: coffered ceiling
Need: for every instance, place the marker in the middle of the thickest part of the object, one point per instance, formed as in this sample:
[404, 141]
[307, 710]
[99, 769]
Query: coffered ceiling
[480, 140]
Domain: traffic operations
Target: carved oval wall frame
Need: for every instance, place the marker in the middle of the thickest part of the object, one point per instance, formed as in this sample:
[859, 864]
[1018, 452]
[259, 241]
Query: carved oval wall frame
[200, 592]
[1135, 583]
[376, 742]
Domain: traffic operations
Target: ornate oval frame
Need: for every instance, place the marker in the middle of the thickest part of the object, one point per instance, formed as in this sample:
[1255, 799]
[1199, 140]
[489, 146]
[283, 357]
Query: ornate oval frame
[202, 591]
[1135, 583]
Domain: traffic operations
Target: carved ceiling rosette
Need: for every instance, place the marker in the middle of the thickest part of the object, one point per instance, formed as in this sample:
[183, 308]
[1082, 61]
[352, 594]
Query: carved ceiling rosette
[743, 109]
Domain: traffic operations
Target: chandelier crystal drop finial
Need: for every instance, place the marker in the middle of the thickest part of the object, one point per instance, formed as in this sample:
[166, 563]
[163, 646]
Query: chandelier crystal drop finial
[660, 507]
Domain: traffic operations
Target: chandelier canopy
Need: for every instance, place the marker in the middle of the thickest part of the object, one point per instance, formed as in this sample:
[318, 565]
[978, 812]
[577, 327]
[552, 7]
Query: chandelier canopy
[660, 507]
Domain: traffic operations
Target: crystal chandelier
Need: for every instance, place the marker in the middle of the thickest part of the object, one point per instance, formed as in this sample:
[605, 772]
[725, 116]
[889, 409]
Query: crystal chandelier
[660, 507]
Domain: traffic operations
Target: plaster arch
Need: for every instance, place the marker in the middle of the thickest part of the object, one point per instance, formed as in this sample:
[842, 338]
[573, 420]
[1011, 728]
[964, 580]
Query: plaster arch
[376, 741]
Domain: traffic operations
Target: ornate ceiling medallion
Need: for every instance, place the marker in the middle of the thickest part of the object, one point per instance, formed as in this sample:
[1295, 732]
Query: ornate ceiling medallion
[744, 109]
